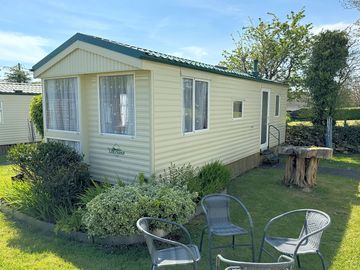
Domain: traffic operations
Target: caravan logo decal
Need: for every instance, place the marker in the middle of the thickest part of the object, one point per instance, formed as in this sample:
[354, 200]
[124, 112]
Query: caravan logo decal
[116, 150]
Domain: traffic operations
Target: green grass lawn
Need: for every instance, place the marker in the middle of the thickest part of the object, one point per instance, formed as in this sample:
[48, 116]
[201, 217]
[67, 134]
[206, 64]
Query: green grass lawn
[351, 162]
[339, 123]
[259, 189]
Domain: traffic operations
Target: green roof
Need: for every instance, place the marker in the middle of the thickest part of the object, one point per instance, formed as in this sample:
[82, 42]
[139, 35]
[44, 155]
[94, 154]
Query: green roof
[146, 54]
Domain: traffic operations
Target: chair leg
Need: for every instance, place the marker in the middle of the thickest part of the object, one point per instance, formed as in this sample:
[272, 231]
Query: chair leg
[210, 248]
[233, 241]
[261, 249]
[298, 261]
[153, 267]
[252, 248]
[322, 260]
[195, 266]
[201, 239]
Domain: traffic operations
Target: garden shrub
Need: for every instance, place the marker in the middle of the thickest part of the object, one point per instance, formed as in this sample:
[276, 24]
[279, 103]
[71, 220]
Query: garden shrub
[115, 211]
[54, 169]
[345, 139]
[305, 114]
[22, 196]
[178, 176]
[211, 178]
[70, 219]
[36, 114]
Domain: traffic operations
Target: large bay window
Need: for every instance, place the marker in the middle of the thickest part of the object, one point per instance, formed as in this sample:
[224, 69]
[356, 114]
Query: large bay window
[277, 105]
[1, 113]
[62, 104]
[117, 108]
[195, 105]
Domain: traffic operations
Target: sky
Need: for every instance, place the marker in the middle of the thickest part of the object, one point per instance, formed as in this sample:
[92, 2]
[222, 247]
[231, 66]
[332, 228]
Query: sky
[195, 29]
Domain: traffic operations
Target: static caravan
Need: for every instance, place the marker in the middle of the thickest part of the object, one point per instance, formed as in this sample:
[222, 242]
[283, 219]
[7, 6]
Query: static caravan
[15, 126]
[132, 110]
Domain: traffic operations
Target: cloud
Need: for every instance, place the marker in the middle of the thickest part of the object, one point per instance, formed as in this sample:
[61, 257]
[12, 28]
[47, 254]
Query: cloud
[335, 26]
[191, 52]
[22, 48]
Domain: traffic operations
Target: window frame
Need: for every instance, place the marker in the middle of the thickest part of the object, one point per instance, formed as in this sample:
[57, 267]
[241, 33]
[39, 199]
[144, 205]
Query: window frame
[277, 106]
[193, 106]
[1, 112]
[126, 136]
[79, 105]
[232, 109]
[65, 139]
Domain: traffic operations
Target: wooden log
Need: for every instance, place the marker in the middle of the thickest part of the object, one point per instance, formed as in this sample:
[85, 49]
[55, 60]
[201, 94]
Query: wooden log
[311, 172]
[300, 172]
[289, 171]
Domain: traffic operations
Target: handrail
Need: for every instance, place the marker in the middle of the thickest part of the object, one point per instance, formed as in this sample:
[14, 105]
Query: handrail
[276, 137]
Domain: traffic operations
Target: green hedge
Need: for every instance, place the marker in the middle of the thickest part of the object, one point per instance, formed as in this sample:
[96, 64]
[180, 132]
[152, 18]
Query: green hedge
[345, 139]
[305, 114]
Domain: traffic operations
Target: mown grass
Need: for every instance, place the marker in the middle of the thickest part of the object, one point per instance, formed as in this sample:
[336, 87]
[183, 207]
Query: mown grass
[349, 162]
[261, 191]
[339, 123]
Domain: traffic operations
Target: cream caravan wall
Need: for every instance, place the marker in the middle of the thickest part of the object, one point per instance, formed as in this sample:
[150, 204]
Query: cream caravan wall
[137, 149]
[14, 128]
[227, 139]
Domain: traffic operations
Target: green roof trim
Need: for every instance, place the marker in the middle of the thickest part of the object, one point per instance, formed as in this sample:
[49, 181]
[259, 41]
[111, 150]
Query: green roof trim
[150, 55]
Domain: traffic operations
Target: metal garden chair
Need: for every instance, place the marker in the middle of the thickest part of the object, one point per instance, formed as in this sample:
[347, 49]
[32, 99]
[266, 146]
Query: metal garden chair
[178, 253]
[217, 210]
[308, 241]
[284, 263]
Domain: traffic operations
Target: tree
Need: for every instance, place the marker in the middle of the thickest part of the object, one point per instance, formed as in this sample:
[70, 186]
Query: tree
[325, 74]
[17, 74]
[36, 114]
[282, 49]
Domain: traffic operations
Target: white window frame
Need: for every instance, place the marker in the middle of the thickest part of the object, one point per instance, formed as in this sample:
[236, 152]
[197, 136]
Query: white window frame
[79, 105]
[277, 115]
[193, 107]
[65, 139]
[1, 112]
[126, 136]
[243, 109]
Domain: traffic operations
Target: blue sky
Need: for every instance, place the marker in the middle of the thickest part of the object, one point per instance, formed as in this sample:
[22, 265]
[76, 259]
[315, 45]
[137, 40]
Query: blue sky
[196, 29]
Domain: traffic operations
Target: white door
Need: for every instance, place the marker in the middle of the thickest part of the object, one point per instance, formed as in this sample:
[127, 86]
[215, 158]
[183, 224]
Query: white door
[264, 124]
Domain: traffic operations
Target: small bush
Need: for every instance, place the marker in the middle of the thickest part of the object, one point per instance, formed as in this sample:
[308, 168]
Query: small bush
[115, 211]
[36, 114]
[212, 177]
[54, 169]
[178, 176]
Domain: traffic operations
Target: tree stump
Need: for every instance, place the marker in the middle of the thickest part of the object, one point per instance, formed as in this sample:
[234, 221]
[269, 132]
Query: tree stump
[302, 164]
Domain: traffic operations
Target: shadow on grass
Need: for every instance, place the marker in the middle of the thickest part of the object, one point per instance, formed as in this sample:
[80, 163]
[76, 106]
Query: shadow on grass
[260, 190]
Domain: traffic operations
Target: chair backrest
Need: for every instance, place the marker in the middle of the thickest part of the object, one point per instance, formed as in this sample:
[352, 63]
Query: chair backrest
[284, 263]
[143, 225]
[216, 208]
[315, 220]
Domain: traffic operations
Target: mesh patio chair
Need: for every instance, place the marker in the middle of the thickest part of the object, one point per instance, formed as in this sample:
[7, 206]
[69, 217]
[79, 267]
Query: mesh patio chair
[308, 241]
[178, 253]
[217, 210]
[283, 263]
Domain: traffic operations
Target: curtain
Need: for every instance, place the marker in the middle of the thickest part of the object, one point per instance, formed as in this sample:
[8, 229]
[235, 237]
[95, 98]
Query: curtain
[201, 105]
[117, 111]
[61, 104]
[188, 105]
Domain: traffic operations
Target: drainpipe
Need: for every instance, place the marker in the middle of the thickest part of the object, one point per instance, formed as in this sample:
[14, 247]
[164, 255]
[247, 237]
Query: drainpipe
[255, 72]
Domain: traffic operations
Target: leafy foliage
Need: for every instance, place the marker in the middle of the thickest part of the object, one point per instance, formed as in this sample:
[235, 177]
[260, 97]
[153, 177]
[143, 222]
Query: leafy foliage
[115, 211]
[54, 169]
[212, 177]
[36, 114]
[23, 196]
[282, 48]
[17, 74]
[304, 114]
[178, 176]
[345, 139]
[324, 74]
